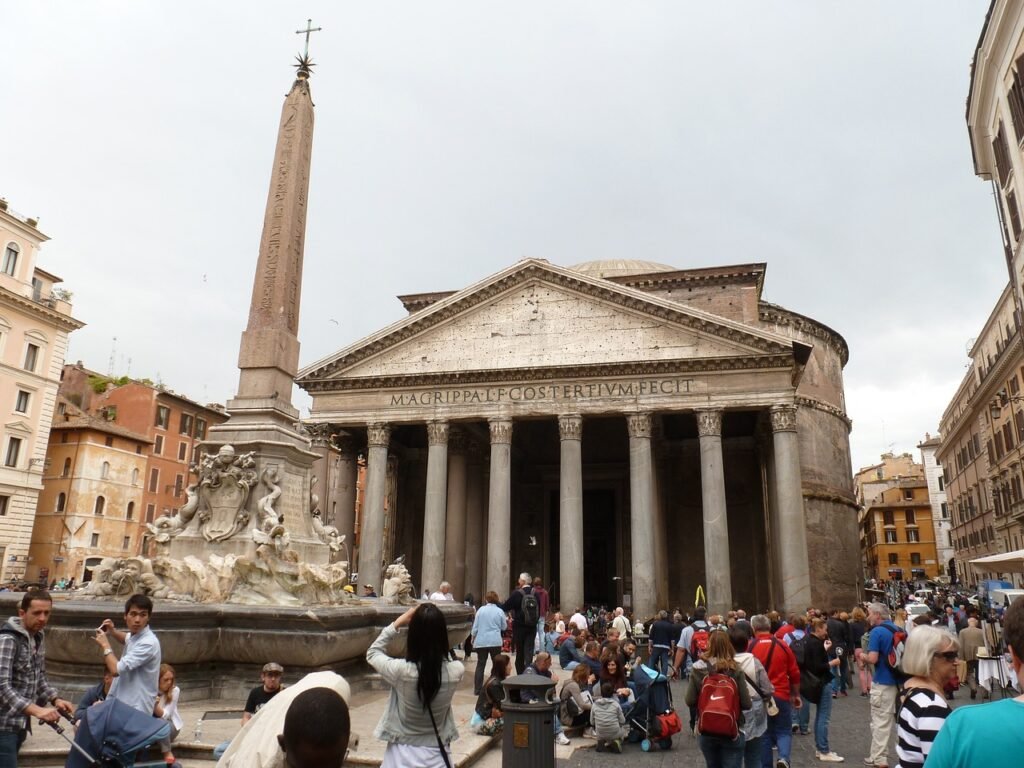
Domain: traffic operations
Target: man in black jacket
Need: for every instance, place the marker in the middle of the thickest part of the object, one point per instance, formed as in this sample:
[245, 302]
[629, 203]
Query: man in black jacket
[842, 646]
[522, 632]
[819, 661]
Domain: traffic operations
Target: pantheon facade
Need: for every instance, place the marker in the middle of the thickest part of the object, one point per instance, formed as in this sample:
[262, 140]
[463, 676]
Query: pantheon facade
[626, 430]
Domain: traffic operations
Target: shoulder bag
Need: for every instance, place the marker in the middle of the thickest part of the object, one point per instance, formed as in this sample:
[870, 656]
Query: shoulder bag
[440, 744]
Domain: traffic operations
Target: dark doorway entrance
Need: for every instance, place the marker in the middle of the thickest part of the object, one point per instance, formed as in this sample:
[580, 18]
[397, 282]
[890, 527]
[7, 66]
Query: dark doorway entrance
[599, 547]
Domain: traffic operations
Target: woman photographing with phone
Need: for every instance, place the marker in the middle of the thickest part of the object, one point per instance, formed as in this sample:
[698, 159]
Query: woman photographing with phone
[417, 723]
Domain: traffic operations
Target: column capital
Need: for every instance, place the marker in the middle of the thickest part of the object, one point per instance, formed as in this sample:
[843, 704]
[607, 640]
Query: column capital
[570, 427]
[378, 435]
[319, 434]
[501, 430]
[783, 418]
[437, 432]
[709, 423]
[638, 424]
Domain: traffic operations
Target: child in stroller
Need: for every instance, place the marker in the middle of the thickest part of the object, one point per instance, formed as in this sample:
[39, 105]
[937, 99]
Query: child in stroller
[653, 721]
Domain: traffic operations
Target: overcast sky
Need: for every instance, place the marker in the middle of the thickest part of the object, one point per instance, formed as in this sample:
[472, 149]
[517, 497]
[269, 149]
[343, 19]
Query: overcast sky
[452, 139]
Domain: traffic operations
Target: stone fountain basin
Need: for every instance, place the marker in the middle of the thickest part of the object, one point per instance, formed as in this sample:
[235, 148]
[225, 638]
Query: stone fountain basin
[218, 650]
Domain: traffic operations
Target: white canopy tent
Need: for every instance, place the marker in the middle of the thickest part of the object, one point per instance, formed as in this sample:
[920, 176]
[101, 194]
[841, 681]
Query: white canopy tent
[1007, 562]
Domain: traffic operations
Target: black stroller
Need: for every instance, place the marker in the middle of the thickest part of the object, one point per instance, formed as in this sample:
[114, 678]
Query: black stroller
[109, 735]
[652, 720]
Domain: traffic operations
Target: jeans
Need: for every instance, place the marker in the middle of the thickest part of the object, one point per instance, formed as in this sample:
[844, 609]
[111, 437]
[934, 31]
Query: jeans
[522, 642]
[10, 743]
[839, 676]
[752, 753]
[778, 734]
[482, 654]
[220, 749]
[802, 717]
[659, 660]
[822, 713]
[720, 752]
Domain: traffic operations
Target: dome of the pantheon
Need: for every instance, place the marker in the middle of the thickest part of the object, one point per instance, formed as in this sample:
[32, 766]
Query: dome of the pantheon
[620, 267]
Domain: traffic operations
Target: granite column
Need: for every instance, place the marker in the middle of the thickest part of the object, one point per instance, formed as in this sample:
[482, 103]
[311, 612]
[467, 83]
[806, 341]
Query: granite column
[499, 508]
[717, 569]
[641, 515]
[434, 508]
[570, 513]
[371, 532]
[791, 547]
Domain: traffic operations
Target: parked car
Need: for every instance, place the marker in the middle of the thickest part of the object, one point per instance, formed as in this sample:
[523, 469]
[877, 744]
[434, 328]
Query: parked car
[916, 609]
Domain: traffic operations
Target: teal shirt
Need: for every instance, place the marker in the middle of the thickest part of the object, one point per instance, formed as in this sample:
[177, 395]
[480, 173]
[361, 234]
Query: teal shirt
[981, 736]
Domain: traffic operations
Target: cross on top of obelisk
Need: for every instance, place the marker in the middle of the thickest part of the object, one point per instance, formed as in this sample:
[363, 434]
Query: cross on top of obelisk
[307, 31]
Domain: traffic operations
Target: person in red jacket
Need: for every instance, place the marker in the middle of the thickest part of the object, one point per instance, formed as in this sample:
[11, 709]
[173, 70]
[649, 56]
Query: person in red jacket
[786, 628]
[780, 664]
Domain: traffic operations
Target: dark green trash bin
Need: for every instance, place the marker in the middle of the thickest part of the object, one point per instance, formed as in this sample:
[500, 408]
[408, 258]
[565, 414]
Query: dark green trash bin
[528, 740]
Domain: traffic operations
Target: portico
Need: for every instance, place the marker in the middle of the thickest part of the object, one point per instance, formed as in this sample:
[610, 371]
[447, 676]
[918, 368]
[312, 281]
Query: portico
[623, 446]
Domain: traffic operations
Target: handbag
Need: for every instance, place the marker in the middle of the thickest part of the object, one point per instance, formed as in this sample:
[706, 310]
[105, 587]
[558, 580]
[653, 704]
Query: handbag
[440, 744]
[810, 686]
[770, 705]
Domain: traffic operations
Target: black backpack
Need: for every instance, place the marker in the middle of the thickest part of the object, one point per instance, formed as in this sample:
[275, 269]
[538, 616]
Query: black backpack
[529, 609]
[799, 649]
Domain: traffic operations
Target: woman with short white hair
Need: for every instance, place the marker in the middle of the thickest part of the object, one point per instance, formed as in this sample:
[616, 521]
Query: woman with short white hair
[929, 658]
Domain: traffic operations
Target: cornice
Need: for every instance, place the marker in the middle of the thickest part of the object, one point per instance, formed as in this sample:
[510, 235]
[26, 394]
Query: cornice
[724, 275]
[555, 373]
[603, 290]
[820, 405]
[773, 313]
[64, 322]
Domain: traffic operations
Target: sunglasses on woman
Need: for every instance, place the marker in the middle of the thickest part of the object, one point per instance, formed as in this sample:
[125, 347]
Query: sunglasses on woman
[947, 655]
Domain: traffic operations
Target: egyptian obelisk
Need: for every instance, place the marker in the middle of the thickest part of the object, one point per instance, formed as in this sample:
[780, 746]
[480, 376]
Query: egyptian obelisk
[262, 417]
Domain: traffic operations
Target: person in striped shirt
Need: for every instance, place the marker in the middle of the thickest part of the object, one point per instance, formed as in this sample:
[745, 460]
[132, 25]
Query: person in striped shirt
[930, 659]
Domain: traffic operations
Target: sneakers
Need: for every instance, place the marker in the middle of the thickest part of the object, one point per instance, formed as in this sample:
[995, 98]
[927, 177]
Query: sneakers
[782, 763]
[561, 739]
[601, 745]
[794, 728]
[615, 746]
[828, 757]
[590, 733]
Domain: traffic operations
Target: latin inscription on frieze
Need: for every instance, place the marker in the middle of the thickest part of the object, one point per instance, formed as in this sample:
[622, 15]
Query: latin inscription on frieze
[547, 392]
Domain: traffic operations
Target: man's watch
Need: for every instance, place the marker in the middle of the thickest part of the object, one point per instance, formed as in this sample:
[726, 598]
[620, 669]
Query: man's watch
[107, 651]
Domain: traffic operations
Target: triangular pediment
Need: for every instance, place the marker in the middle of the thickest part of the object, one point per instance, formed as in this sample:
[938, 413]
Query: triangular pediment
[536, 316]
[18, 427]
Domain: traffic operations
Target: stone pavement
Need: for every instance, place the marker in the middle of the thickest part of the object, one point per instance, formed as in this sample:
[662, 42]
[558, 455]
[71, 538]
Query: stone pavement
[849, 735]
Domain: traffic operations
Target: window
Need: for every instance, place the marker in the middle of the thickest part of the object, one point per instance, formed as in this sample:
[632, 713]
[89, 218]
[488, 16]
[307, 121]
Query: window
[913, 535]
[915, 558]
[150, 512]
[5, 502]
[879, 474]
[135, 476]
[178, 481]
[63, 437]
[37, 289]
[67, 468]
[908, 494]
[182, 451]
[911, 517]
[890, 537]
[62, 500]
[163, 416]
[158, 445]
[21, 401]
[13, 452]
[1016, 101]
[109, 441]
[894, 559]
[154, 479]
[101, 503]
[94, 540]
[945, 511]
[185, 425]
[200, 429]
[129, 513]
[31, 357]
[942, 482]
[105, 470]
[126, 542]
[11, 259]
[888, 518]
[1011, 208]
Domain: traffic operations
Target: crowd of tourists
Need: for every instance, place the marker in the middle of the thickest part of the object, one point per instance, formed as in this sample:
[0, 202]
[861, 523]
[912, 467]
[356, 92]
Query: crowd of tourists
[780, 674]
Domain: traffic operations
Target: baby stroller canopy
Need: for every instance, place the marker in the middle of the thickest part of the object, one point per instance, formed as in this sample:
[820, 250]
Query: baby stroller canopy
[112, 732]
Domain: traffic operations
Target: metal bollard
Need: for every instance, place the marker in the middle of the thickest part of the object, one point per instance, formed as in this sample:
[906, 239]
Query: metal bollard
[528, 740]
